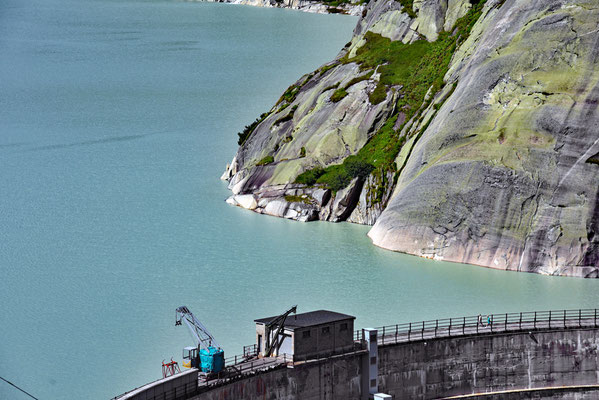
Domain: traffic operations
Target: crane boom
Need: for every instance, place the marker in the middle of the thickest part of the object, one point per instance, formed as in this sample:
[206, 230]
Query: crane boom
[199, 332]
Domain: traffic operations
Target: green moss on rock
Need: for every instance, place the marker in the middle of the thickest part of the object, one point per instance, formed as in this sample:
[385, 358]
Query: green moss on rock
[297, 199]
[266, 160]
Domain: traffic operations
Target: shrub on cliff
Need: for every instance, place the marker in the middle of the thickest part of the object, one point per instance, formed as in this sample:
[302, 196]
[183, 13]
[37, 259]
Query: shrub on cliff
[310, 176]
[357, 168]
[247, 131]
[339, 181]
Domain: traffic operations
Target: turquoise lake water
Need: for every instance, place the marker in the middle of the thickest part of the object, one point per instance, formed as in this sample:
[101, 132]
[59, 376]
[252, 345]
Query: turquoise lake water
[116, 120]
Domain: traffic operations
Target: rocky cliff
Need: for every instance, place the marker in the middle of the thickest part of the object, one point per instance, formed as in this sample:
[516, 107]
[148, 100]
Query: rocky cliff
[463, 130]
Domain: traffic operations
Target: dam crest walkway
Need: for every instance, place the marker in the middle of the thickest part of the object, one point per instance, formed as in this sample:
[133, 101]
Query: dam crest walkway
[491, 324]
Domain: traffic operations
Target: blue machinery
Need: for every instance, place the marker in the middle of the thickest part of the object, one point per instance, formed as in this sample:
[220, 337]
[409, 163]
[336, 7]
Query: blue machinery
[207, 355]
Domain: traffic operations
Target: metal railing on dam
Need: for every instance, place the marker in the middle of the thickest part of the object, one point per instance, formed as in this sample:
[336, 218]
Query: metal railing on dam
[484, 324]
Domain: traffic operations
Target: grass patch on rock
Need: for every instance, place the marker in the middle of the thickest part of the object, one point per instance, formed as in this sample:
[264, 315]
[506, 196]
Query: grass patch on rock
[416, 66]
[342, 92]
[336, 177]
[287, 117]
[297, 199]
[290, 94]
[310, 176]
[292, 91]
[266, 160]
[408, 7]
[338, 95]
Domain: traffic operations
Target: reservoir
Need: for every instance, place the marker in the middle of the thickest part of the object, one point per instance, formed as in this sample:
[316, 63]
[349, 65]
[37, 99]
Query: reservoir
[117, 118]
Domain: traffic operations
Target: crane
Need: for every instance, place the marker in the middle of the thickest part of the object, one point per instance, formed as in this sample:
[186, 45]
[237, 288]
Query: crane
[207, 355]
[277, 340]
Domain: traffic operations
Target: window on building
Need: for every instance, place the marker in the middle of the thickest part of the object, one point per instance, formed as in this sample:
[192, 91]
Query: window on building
[305, 334]
[372, 382]
[326, 330]
[343, 326]
[372, 360]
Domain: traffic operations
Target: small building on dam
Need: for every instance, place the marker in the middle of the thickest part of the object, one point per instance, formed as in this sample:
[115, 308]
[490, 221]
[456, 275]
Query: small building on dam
[307, 335]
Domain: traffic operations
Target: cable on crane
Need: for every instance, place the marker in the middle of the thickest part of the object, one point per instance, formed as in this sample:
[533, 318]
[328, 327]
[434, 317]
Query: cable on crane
[12, 384]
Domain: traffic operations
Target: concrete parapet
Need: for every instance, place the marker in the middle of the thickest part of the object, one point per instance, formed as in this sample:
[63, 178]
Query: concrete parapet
[176, 385]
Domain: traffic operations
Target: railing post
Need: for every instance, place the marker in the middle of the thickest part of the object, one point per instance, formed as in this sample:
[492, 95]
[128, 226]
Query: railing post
[422, 334]
[235, 359]
[579, 318]
[464, 326]
[564, 318]
[535, 323]
[492, 320]
[595, 323]
[436, 326]
[549, 319]
[449, 327]
[520, 323]
[505, 327]
[396, 332]
[383, 335]
[409, 331]
[477, 325]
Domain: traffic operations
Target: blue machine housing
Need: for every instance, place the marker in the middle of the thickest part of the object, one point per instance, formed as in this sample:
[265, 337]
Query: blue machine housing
[212, 360]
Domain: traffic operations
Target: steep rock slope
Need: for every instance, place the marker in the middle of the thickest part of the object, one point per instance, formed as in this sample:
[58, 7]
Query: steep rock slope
[506, 175]
[467, 130]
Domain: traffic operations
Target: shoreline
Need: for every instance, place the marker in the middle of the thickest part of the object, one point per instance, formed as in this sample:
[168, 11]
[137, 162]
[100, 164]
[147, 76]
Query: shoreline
[315, 7]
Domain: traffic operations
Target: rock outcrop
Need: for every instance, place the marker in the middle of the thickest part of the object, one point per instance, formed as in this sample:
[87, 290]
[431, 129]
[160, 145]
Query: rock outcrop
[497, 165]
[351, 8]
[505, 176]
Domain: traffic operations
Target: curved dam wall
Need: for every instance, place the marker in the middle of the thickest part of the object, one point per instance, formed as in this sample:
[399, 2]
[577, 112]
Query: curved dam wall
[333, 378]
[488, 363]
[440, 368]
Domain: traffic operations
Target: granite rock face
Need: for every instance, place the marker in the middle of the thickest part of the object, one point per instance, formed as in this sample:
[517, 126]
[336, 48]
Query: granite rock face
[507, 173]
[501, 167]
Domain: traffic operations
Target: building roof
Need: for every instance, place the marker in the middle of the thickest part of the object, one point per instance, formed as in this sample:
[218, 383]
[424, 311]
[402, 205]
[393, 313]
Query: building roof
[311, 318]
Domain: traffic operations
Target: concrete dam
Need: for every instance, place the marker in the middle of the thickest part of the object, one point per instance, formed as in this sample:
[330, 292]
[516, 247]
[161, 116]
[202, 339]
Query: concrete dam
[540, 355]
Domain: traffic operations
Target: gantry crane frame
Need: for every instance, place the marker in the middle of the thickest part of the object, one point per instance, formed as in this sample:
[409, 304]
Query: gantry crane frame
[275, 342]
